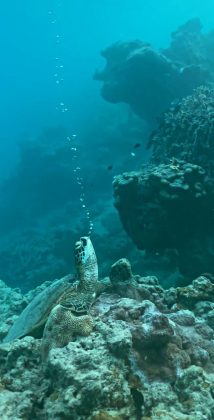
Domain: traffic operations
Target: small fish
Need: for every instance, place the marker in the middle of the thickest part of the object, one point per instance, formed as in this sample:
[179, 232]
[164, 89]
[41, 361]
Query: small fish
[136, 145]
[110, 167]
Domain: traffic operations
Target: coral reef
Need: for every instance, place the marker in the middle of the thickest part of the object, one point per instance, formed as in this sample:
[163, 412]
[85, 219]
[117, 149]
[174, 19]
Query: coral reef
[190, 46]
[147, 357]
[149, 80]
[186, 131]
[169, 206]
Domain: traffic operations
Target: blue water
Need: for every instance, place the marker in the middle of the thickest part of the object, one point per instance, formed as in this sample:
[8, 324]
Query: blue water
[28, 49]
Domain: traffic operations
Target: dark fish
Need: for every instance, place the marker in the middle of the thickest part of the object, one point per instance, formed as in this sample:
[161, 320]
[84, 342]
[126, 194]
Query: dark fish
[137, 145]
[110, 167]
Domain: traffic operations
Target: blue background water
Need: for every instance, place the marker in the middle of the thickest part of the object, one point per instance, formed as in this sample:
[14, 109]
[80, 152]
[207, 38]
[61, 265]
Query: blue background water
[28, 49]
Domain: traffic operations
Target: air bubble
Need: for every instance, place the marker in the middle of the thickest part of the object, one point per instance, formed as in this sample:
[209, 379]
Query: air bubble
[62, 108]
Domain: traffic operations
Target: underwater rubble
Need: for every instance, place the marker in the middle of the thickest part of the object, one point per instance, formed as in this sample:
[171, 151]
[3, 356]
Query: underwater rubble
[149, 356]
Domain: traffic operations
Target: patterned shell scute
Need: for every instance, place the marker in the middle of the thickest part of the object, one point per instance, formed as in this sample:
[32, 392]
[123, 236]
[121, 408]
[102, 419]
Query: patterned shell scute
[79, 302]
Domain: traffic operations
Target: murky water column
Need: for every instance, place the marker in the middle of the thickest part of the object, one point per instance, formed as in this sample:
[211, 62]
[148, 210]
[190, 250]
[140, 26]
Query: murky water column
[62, 107]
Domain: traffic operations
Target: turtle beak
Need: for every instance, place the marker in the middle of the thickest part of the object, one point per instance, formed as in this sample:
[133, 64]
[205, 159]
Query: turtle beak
[78, 244]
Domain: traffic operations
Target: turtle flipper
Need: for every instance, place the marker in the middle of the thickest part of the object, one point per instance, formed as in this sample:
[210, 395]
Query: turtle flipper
[37, 311]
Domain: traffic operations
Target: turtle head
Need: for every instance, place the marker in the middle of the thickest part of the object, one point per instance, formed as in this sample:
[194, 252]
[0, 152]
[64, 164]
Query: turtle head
[86, 264]
[83, 251]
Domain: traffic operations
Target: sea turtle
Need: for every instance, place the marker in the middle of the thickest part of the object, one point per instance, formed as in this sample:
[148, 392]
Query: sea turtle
[65, 300]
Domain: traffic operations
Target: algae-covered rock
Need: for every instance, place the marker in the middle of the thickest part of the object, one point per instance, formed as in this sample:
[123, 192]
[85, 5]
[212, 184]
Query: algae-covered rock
[88, 377]
[143, 360]
[201, 289]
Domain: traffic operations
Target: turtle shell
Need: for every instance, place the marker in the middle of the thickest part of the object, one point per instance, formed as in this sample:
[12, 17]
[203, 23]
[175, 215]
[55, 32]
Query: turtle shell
[36, 313]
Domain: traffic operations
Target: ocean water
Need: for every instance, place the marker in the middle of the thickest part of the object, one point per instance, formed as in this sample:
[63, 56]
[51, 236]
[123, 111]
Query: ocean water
[70, 124]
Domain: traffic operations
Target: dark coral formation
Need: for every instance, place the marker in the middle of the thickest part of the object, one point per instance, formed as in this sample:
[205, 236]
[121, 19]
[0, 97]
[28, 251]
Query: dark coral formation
[149, 80]
[146, 358]
[167, 206]
[170, 206]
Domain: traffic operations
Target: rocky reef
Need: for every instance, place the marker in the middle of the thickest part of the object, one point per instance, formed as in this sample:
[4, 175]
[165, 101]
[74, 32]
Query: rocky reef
[149, 80]
[168, 204]
[149, 356]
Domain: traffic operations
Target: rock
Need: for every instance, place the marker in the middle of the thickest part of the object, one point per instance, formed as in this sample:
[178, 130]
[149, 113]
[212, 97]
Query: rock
[155, 330]
[146, 79]
[200, 289]
[86, 383]
[195, 387]
[140, 361]
[183, 317]
[121, 271]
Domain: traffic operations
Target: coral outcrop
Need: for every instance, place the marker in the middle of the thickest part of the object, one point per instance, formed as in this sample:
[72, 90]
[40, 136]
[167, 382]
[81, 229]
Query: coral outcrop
[168, 204]
[149, 80]
[145, 358]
